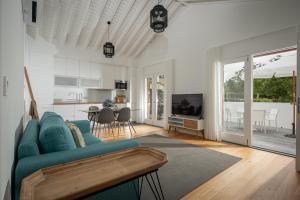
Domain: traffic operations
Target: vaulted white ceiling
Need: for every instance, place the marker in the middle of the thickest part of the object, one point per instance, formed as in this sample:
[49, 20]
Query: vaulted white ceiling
[83, 23]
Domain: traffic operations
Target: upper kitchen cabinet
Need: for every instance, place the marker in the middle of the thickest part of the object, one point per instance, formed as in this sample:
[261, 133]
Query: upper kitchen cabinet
[108, 74]
[66, 67]
[72, 68]
[95, 70]
[89, 70]
[84, 69]
[120, 73]
[60, 66]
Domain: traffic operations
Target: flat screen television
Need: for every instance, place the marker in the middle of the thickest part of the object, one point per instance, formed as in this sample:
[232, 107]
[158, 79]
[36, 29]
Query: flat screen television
[188, 104]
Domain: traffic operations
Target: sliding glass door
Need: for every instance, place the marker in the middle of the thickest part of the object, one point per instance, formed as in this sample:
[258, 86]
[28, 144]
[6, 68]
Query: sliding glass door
[236, 90]
[259, 101]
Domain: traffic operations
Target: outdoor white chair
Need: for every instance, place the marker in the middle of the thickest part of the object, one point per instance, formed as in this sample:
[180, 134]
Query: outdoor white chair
[233, 116]
[259, 117]
[272, 117]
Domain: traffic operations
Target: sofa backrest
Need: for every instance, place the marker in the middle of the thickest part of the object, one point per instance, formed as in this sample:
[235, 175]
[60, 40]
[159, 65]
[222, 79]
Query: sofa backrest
[54, 134]
[29, 142]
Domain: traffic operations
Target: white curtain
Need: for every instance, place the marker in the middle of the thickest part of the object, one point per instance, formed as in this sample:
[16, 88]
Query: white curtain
[140, 95]
[213, 103]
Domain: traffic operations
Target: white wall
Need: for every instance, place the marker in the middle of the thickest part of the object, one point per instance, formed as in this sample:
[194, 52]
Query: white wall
[11, 106]
[202, 26]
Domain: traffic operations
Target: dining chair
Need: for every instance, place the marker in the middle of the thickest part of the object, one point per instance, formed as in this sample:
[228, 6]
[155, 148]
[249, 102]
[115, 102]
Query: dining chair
[92, 115]
[124, 117]
[106, 117]
[234, 116]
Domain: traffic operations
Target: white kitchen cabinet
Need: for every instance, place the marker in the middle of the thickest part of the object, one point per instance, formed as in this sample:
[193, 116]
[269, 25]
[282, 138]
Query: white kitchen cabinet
[60, 66]
[108, 79]
[95, 70]
[90, 83]
[72, 68]
[120, 73]
[84, 69]
[66, 111]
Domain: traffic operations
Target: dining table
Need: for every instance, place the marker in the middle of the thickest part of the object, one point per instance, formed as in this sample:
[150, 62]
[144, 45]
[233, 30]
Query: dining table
[116, 111]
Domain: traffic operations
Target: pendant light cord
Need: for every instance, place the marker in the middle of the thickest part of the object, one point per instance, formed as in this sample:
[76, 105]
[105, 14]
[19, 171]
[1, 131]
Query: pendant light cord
[108, 23]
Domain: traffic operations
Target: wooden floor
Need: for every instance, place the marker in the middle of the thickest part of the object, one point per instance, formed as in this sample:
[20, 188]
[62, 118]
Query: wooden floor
[259, 175]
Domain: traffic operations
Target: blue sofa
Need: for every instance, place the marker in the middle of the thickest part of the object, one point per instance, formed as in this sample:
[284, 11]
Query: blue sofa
[48, 143]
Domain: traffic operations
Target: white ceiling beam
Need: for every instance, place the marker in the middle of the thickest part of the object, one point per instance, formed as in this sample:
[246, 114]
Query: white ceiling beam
[140, 38]
[173, 10]
[94, 14]
[120, 17]
[141, 20]
[131, 18]
[78, 20]
[64, 20]
[138, 33]
[101, 28]
[61, 7]
[50, 13]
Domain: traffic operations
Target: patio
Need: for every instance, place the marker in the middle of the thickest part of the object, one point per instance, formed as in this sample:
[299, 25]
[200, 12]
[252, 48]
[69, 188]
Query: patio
[271, 139]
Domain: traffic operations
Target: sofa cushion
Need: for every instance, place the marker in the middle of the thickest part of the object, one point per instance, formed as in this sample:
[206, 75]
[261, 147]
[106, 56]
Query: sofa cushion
[91, 139]
[54, 134]
[29, 143]
[77, 135]
[48, 115]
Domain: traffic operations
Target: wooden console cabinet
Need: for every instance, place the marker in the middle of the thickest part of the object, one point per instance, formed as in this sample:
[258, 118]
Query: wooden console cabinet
[186, 123]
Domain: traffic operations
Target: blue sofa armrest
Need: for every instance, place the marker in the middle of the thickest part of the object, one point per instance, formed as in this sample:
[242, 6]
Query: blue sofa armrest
[28, 165]
[83, 125]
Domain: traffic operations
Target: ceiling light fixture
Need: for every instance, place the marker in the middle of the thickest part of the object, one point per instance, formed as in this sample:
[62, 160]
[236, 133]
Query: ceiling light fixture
[108, 47]
[158, 18]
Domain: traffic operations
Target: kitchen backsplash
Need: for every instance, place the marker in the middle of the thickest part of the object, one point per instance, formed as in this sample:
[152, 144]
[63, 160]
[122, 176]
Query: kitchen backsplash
[63, 94]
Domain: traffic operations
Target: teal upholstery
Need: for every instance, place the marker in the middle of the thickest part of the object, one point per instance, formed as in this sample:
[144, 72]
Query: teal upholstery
[54, 134]
[28, 145]
[29, 163]
[84, 127]
[90, 139]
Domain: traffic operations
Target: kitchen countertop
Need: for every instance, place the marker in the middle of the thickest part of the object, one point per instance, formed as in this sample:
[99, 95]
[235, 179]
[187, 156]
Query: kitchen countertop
[75, 102]
[79, 102]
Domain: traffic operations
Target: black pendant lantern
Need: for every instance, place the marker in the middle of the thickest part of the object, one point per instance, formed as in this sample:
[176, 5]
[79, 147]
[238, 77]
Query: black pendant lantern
[108, 47]
[158, 18]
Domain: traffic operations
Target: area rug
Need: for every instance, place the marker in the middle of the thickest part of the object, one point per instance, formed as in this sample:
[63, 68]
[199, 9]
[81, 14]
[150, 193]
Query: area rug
[188, 166]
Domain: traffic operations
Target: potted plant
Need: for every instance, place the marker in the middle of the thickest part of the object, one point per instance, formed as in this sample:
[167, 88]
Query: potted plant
[108, 103]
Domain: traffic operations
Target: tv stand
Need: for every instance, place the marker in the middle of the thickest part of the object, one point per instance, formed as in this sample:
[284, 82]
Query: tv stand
[186, 122]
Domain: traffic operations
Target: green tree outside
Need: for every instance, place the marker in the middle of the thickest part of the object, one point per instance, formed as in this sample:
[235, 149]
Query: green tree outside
[275, 89]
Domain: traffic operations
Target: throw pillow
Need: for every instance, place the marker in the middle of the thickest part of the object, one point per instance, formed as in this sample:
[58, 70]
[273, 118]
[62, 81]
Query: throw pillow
[77, 135]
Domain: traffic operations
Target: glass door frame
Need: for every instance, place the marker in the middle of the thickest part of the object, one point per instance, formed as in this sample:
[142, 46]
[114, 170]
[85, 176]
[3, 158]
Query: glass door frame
[245, 138]
[154, 121]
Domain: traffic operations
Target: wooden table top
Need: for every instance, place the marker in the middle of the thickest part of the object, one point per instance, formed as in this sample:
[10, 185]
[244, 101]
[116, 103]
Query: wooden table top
[83, 177]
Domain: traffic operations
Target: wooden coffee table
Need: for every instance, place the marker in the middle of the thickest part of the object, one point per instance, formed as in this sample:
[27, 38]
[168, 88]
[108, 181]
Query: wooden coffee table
[88, 176]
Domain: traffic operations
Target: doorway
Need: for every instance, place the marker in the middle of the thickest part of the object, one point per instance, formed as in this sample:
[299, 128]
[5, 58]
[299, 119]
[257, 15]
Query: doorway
[259, 101]
[274, 101]
[155, 87]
